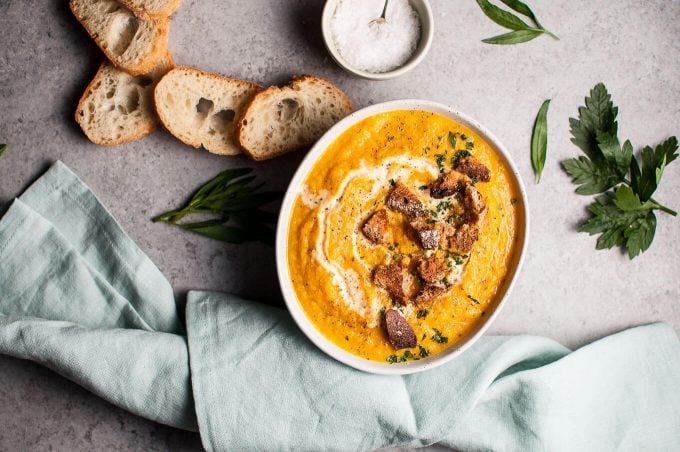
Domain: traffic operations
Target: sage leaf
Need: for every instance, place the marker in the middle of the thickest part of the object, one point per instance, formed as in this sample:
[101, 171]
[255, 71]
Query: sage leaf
[514, 37]
[502, 17]
[522, 32]
[539, 140]
[523, 9]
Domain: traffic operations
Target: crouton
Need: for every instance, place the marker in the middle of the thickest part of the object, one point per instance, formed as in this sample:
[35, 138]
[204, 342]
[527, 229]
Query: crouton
[429, 293]
[405, 201]
[432, 270]
[474, 169]
[474, 204]
[399, 332]
[376, 228]
[395, 279]
[462, 240]
[428, 234]
[447, 185]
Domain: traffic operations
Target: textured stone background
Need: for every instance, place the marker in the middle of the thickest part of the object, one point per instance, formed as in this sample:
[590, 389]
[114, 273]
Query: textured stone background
[567, 290]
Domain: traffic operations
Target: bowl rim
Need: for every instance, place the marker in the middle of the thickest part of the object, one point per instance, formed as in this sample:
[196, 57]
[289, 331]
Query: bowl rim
[294, 306]
[418, 56]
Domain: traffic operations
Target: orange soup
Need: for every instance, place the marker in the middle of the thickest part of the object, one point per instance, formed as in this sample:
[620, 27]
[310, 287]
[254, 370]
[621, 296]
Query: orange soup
[347, 231]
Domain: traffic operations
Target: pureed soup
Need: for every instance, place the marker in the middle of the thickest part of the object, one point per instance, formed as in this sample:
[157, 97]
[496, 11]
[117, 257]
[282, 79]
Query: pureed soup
[403, 235]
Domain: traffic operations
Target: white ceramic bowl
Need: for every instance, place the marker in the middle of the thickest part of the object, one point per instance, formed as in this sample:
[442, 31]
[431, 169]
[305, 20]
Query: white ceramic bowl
[422, 7]
[294, 189]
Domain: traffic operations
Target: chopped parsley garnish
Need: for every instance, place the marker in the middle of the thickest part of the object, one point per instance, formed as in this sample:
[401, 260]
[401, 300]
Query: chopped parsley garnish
[422, 313]
[459, 155]
[424, 353]
[382, 311]
[443, 206]
[423, 187]
[457, 258]
[393, 182]
[463, 137]
[437, 337]
[454, 218]
[441, 158]
[452, 140]
[445, 282]
[393, 359]
[470, 145]
[430, 221]
[474, 300]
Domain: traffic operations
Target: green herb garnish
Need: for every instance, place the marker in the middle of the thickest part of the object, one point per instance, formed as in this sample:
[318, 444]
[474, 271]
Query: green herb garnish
[452, 139]
[469, 145]
[513, 201]
[3, 148]
[623, 215]
[424, 353]
[392, 359]
[459, 155]
[437, 337]
[441, 158]
[521, 31]
[444, 205]
[474, 300]
[457, 258]
[423, 187]
[233, 203]
[422, 313]
[539, 140]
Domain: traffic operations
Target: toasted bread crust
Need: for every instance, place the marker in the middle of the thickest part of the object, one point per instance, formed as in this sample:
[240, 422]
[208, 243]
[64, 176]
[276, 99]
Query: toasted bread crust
[146, 64]
[168, 11]
[166, 120]
[274, 91]
[140, 133]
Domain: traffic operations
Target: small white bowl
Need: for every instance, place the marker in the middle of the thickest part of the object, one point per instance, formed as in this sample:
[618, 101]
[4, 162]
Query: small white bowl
[294, 306]
[422, 7]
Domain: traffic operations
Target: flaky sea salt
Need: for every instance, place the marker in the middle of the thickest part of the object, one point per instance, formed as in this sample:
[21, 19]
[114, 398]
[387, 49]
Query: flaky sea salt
[380, 47]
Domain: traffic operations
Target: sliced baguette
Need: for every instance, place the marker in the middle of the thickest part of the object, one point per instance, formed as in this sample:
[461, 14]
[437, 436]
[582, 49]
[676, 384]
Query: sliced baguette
[280, 120]
[153, 8]
[131, 43]
[199, 108]
[118, 107]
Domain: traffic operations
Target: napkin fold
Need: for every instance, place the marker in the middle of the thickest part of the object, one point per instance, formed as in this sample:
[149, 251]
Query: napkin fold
[77, 295]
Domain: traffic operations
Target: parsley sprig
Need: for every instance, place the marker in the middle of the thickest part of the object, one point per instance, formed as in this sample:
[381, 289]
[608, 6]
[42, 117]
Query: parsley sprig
[233, 203]
[623, 214]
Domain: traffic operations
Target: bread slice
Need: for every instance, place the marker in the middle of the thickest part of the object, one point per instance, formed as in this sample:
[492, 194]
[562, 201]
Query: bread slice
[118, 107]
[131, 43]
[280, 120]
[153, 8]
[199, 107]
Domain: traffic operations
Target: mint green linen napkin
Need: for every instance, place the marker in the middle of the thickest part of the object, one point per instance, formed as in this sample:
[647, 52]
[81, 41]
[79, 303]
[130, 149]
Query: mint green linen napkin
[77, 295]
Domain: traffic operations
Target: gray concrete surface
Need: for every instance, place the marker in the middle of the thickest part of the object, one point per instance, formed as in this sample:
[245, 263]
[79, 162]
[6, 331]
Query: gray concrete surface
[567, 291]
